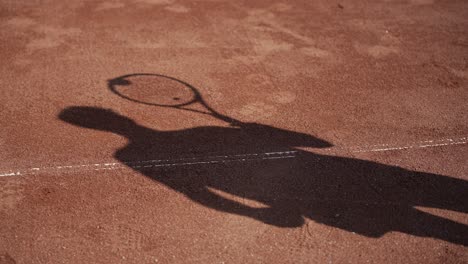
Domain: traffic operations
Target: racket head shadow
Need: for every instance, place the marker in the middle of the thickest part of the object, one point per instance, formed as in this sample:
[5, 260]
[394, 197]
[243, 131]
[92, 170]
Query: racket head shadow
[154, 90]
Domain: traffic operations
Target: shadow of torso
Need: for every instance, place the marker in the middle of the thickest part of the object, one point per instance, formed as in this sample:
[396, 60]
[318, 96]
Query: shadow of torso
[206, 163]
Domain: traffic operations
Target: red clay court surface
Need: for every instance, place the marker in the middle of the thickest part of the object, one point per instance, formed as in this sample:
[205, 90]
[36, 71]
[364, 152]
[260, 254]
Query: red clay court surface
[320, 131]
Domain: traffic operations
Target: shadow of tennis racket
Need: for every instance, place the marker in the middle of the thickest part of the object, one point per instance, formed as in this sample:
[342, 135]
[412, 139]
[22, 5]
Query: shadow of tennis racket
[164, 91]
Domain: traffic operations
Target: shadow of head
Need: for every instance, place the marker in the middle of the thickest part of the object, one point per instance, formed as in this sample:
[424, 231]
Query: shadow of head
[96, 118]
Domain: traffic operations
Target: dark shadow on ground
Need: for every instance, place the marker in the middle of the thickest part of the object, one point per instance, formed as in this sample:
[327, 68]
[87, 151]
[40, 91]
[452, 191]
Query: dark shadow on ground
[365, 197]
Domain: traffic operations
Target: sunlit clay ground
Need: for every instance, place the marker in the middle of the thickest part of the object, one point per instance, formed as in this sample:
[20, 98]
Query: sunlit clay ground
[211, 131]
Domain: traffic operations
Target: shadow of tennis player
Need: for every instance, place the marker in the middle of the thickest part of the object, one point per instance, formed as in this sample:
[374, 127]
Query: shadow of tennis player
[355, 195]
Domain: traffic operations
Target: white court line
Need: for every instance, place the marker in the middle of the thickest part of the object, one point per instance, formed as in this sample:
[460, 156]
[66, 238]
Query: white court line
[195, 163]
[421, 144]
[188, 161]
[410, 147]
[157, 163]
